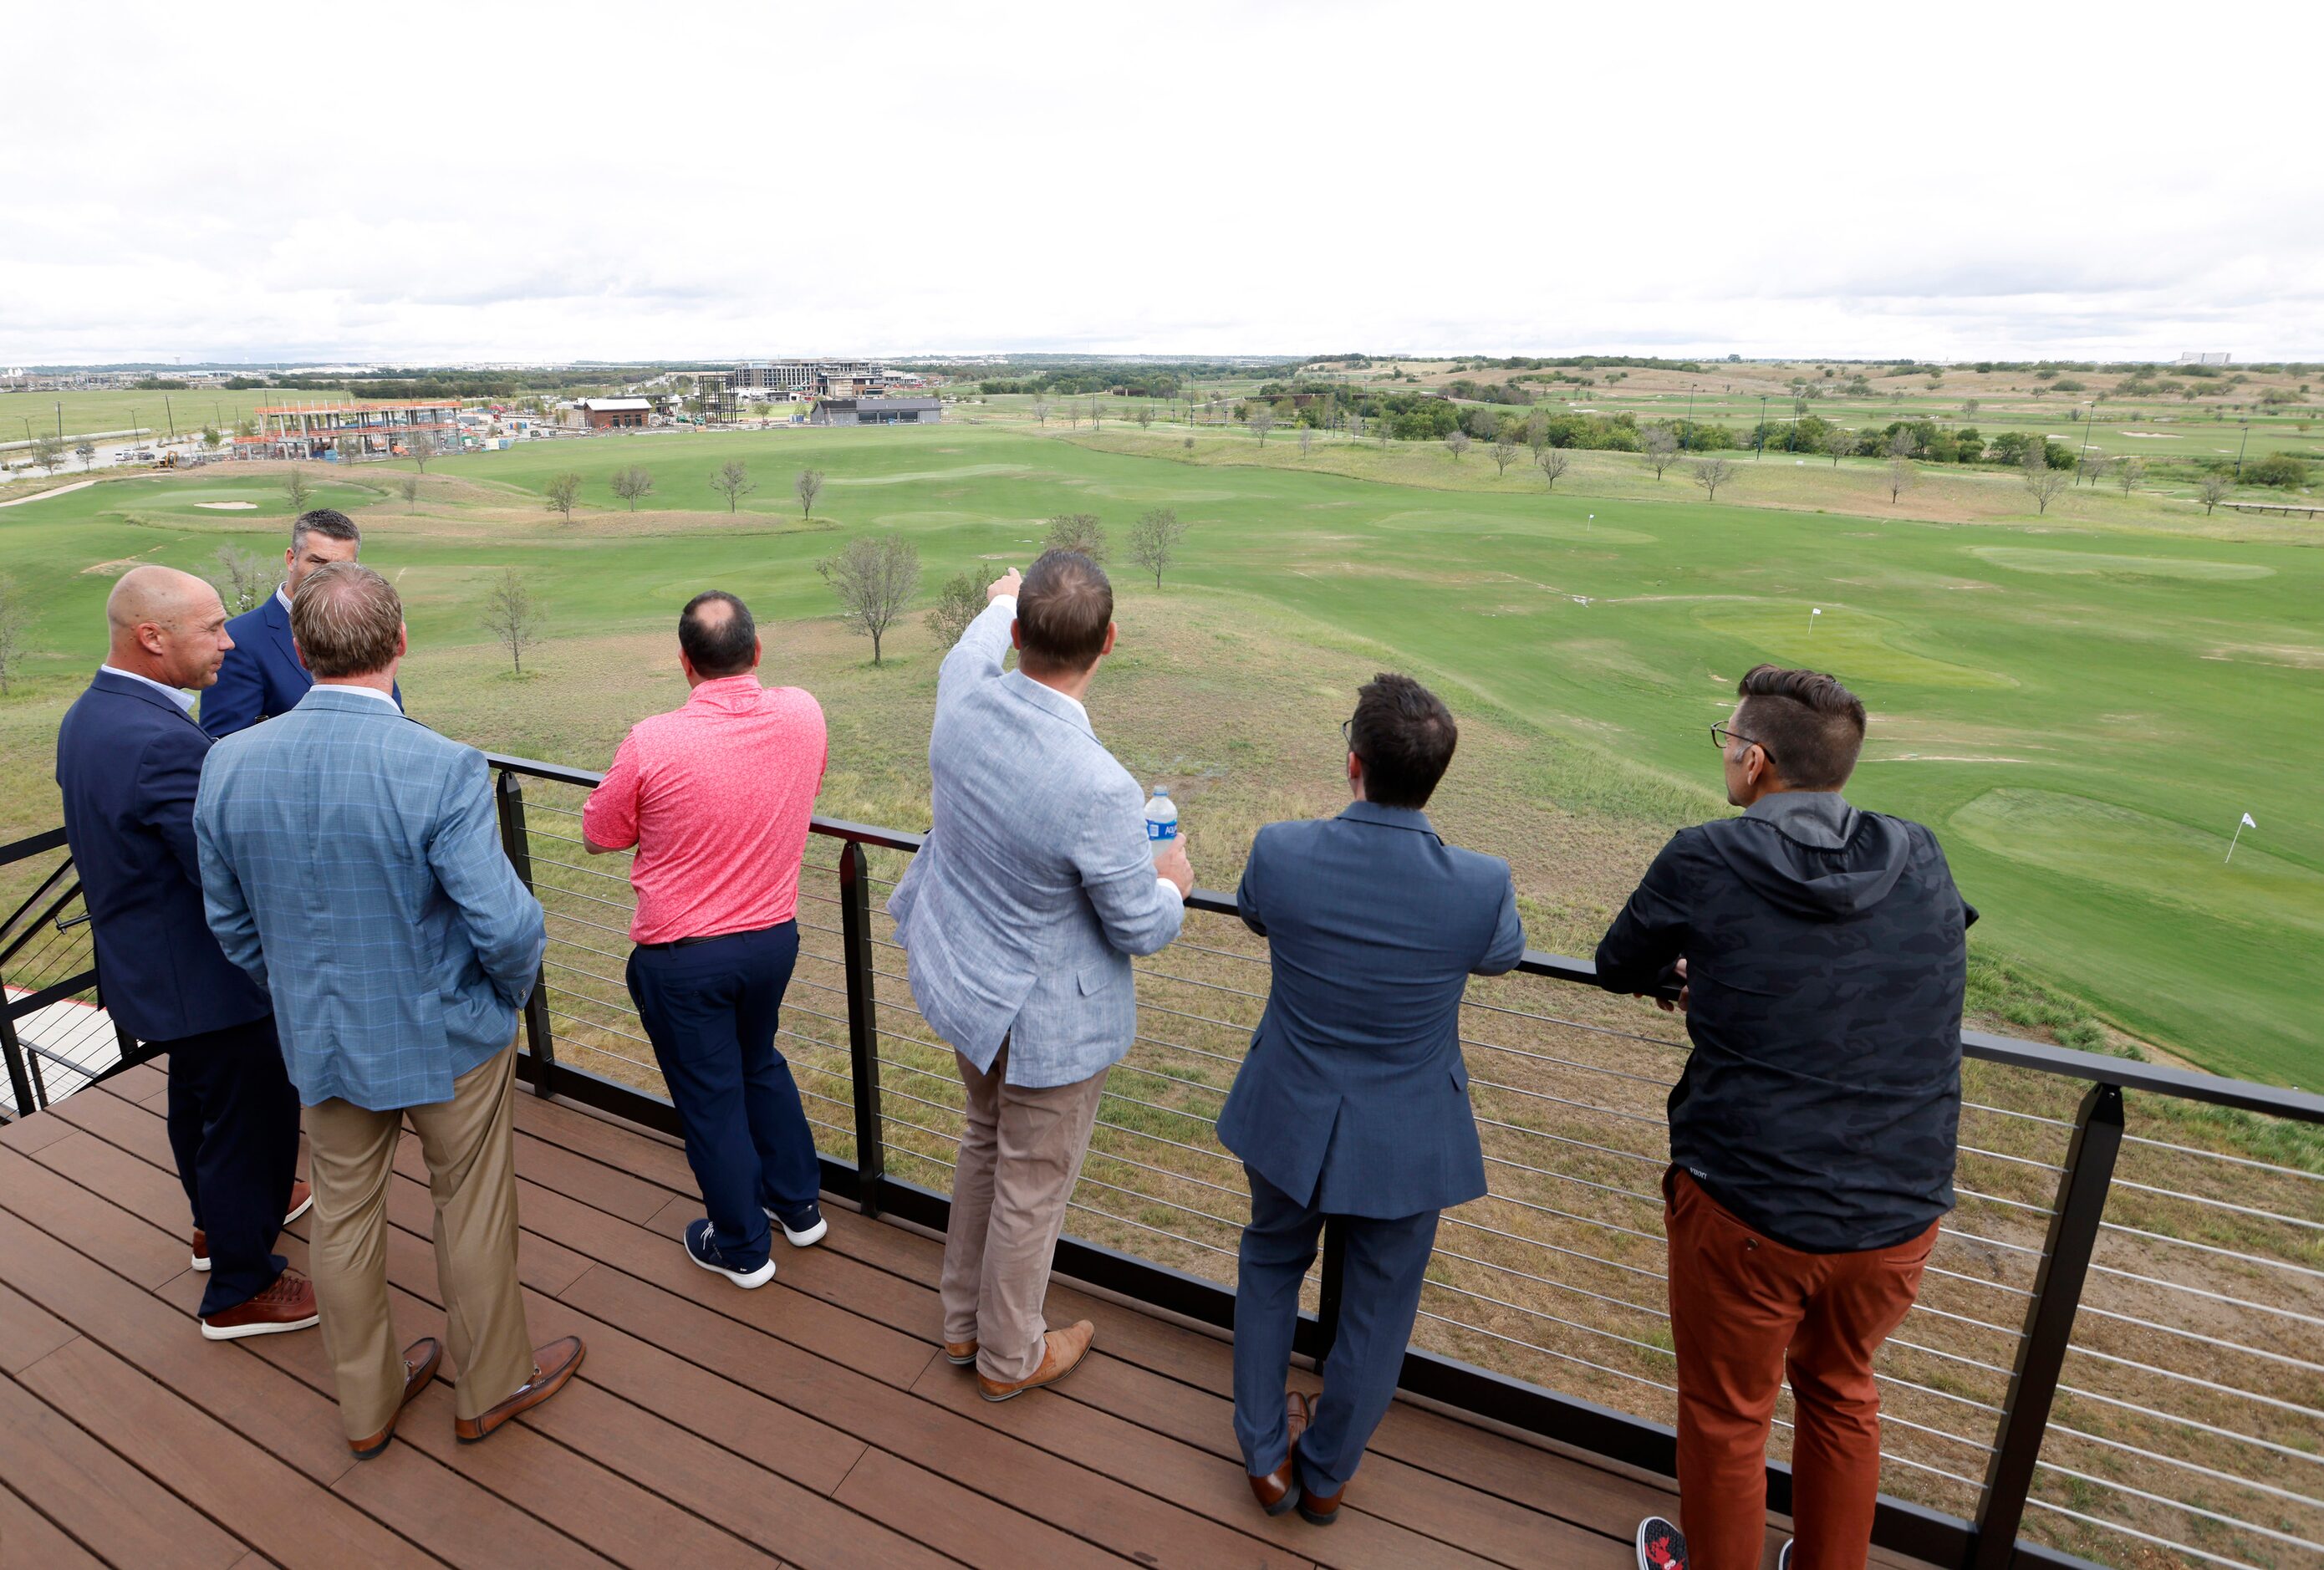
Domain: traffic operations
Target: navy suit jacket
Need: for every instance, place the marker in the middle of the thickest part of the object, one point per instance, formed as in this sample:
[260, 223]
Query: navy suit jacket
[261, 676]
[129, 762]
[1354, 1099]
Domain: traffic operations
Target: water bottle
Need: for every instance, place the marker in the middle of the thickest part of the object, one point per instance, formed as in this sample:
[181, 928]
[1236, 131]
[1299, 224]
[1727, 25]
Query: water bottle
[1161, 817]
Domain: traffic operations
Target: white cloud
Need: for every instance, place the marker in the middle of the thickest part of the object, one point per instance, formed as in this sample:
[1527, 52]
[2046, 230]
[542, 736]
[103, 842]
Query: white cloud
[671, 182]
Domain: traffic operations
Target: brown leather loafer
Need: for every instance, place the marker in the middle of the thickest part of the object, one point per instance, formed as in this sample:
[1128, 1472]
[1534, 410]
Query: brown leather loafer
[420, 1361]
[1060, 1349]
[1278, 1490]
[961, 1353]
[302, 1200]
[553, 1367]
[1319, 1509]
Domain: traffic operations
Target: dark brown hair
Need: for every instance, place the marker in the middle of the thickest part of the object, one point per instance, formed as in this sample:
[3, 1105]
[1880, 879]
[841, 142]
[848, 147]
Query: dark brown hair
[1404, 736]
[1062, 611]
[718, 645]
[346, 618]
[1811, 727]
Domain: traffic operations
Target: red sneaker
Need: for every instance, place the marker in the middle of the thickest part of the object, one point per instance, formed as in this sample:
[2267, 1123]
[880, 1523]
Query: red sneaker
[288, 1304]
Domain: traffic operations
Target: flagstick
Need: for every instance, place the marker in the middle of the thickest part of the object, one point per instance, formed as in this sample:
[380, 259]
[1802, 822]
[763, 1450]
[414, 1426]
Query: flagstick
[2231, 844]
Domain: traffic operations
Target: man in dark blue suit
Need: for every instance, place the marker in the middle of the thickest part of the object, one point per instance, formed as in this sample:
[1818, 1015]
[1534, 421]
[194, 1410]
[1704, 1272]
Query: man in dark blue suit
[1353, 1101]
[261, 676]
[129, 761]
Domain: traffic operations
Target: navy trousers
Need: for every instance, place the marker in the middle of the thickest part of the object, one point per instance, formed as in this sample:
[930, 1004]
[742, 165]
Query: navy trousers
[710, 1009]
[1378, 1299]
[233, 1128]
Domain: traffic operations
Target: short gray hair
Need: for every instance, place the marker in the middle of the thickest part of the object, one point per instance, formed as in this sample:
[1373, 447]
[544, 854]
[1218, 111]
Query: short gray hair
[347, 619]
[328, 522]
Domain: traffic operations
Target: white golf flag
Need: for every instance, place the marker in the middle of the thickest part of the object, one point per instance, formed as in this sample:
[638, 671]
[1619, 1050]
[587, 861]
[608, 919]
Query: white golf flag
[2248, 821]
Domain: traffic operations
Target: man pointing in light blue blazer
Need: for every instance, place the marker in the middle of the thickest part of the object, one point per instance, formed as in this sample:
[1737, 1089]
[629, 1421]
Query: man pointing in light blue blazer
[1020, 914]
[1353, 1101]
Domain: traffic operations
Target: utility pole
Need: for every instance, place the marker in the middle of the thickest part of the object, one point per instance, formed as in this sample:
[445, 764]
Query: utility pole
[2239, 449]
[1689, 443]
[61, 422]
[169, 415]
[1763, 429]
[2081, 463]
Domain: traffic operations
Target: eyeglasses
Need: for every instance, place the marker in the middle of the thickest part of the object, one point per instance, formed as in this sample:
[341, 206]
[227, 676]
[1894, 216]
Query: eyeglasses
[1722, 737]
[1347, 734]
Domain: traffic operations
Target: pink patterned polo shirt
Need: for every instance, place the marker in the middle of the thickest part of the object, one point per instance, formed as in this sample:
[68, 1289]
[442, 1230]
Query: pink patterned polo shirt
[716, 798]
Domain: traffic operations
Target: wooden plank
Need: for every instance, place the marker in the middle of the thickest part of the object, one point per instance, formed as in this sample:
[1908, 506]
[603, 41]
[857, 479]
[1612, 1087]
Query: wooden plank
[971, 1528]
[274, 1508]
[30, 1133]
[453, 1518]
[1088, 1506]
[591, 1182]
[144, 1254]
[28, 1333]
[137, 1084]
[123, 1515]
[28, 1538]
[641, 1153]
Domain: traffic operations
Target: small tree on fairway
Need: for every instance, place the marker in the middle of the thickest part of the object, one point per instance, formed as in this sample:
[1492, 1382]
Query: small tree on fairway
[1553, 462]
[296, 487]
[1840, 444]
[421, 447]
[1660, 445]
[1712, 473]
[1144, 415]
[2212, 490]
[512, 615]
[1505, 452]
[1041, 413]
[1262, 420]
[734, 482]
[960, 602]
[1456, 444]
[2044, 483]
[243, 579]
[1900, 475]
[564, 491]
[809, 486]
[1538, 432]
[13, 614]
[1307, 440]
[2128, 472]
[632, 484]
[410, 485]
[1154, 541]
[1079, 531]
[874, 577]
[87, 453]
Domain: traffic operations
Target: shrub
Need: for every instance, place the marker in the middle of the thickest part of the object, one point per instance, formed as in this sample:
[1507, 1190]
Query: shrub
[2277, 468]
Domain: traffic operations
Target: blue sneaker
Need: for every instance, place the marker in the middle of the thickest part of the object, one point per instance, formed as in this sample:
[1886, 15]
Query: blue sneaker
[702, 1247]
[801, 1227]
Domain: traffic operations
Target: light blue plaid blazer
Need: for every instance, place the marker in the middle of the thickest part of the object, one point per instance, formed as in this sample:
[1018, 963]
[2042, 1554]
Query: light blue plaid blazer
[352, 863]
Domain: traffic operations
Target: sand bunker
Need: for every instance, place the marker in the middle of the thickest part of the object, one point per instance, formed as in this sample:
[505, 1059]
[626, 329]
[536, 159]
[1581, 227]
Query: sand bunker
[229, 506]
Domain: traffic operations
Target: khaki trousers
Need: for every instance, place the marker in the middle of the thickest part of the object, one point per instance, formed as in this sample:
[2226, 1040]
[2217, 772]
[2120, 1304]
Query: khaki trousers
[1020, 1152]
[469, 1145]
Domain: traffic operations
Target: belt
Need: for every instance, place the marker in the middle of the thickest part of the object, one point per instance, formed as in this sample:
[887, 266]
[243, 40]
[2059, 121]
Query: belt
[715, 936]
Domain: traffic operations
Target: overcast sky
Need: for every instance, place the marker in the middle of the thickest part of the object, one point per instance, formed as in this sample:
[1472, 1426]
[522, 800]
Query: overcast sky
[660, 180]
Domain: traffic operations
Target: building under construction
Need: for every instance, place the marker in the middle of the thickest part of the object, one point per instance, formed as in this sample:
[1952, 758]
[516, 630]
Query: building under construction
[348, 432]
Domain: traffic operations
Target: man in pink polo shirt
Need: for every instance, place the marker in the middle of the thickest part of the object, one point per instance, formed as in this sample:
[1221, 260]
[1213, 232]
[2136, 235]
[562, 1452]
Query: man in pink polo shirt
[716, 797]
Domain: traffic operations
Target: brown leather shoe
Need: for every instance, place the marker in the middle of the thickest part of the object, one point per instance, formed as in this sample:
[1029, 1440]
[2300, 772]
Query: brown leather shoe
[553, 1366]
[287, 1304]
[302, 1200]
[1319, 1509]
[1060, 1349]
[961, 1353]
[1278, 1490]
[420, 1361]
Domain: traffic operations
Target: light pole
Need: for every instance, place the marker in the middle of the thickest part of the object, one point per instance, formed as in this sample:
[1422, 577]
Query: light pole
[1763, 429]
[1689, 417]
[2081, 460]
[2240, 445]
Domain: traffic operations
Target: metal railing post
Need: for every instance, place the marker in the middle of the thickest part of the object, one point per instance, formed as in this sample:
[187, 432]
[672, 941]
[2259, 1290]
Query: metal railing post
[2049, 1326]
[20, 1084]
[1327, 1294]
[537, 1040]
[863, 1025]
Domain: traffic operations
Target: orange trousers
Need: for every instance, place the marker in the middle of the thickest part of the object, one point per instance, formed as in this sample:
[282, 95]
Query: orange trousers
[1746, 1313]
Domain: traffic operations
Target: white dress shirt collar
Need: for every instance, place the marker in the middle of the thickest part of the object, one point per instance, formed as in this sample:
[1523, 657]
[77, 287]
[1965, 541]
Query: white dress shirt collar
[282, 597]
[387, 698]
[184, 700]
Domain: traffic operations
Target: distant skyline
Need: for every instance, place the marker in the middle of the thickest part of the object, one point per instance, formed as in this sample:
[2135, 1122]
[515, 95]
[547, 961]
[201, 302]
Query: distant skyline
[715, 183]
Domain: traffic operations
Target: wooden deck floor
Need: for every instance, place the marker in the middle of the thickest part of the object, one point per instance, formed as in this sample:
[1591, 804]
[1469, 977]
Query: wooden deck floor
[810, 1423]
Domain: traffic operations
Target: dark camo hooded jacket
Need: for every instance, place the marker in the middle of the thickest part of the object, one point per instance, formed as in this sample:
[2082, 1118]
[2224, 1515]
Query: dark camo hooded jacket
[1826, 953]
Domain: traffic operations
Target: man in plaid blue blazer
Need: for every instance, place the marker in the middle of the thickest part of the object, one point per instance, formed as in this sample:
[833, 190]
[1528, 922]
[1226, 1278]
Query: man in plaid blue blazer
[351, 865]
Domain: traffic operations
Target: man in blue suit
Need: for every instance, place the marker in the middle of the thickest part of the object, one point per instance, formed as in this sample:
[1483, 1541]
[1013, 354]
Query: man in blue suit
[261, 676]
[352, 862]
[1353, 1101]
[129, 760]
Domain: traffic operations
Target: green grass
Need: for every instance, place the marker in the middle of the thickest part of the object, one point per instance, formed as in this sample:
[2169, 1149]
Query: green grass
[2081, 705]
[111, 410]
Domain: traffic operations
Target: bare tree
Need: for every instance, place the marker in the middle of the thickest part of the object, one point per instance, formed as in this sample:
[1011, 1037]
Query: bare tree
[1262, 420]
[1505, 452]
[734, 482]
[960, 602]
[1660, 443]
[296, 487]
[1097, 420]
[1154, 541]
[1900, 475]
[1144, 415]
[512, 615]
[564, 491]
[410, 485]
[809, 486]
[87, 453]
[1969, 408]
[1307, 440]
[1553, 462]
[1839, 443]
[1041, 413]
[1456, 444]
[1382, 427]
[421, 448]
[874, 577]
[1538, 432]
[632, 484]
[2090, 466]
[48, 452]
[243, 578]
[1712, 473]
[1072, 414]
[1079, 531]
[2212, 490]
[2042, 483]
[1900, 442]
[2128, 472]
[14, 613]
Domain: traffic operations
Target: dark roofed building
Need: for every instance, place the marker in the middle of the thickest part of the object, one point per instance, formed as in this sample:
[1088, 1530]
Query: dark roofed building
[877, 412]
